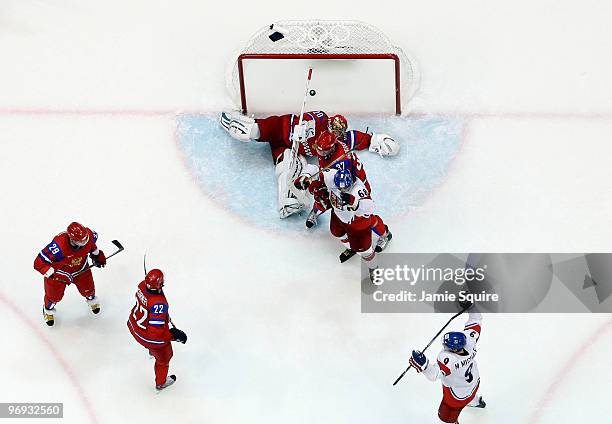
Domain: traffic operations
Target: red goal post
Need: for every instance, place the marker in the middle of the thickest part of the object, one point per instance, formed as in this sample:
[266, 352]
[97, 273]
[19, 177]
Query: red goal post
[356, 69]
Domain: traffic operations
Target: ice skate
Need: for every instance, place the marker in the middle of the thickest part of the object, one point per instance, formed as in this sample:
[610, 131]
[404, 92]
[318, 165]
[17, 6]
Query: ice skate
[383, 240]
[49, 316]
[169, 382]
[311, 219]
[481, 403]
[346, 255]
[94, 304]
[372, 276]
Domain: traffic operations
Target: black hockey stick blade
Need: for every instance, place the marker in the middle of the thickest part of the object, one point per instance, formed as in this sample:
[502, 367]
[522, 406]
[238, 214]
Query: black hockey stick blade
[119, 248]
[144, 263]
[119, 245]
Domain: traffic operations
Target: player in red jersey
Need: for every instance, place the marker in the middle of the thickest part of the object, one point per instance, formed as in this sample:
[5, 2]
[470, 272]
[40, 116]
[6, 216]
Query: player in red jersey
[149, 325]
[282, 131]
[63, 262]
[334, 153]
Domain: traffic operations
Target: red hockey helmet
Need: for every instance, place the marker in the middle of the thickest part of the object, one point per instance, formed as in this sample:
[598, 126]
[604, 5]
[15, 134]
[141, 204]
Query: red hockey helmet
[77, 234]
[154, 279]
[326, 143]
[338, 125]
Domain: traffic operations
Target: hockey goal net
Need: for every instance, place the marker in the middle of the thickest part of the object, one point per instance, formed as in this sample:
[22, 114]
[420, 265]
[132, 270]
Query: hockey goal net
[356, 69]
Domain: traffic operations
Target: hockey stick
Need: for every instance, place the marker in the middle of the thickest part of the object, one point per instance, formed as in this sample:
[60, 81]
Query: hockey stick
[433, 339]
[296, 143]
[89, 266]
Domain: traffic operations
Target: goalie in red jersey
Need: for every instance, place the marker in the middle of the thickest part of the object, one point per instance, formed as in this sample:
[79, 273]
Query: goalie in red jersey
[282, 131]
[149, 325]
[63, 262]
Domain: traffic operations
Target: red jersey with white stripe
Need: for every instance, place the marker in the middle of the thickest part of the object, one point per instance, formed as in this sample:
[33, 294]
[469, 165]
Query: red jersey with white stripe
[149, 319]
[61, 256]
[458, 372]
[357, 140]
[315, 122]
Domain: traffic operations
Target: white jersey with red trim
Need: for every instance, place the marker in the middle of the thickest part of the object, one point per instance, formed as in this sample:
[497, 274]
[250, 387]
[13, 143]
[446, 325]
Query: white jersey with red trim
[459, 373]
[361, 204]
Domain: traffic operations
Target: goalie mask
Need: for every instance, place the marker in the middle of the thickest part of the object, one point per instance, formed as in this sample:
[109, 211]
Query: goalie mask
[338, 125]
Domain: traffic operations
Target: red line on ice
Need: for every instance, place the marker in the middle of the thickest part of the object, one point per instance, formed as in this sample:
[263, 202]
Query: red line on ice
[8, 110]
[58, 356]
[559, 379]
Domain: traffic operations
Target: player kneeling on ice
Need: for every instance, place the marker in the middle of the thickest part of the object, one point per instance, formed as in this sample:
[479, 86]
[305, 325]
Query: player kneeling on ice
[352, 217]
[281, 132]
[63, 262]
[456, 367]
[148, 324]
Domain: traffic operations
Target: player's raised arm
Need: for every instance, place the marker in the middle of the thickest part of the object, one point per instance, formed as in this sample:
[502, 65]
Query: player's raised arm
[474, 323]
[431, 370]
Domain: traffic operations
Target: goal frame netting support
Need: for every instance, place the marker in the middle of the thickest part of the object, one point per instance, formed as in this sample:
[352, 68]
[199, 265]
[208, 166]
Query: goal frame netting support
[390, 76]
[275, 56]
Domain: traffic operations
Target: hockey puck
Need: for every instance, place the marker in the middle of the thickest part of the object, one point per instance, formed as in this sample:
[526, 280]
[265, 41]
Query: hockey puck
[312, 92]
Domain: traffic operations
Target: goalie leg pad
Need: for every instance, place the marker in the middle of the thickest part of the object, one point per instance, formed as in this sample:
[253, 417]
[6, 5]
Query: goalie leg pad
[384, 145]
[290, 199]
[239, 127]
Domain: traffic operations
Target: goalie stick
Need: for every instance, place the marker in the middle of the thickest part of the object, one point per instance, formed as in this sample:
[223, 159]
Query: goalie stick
[433, 339]
[89, 266]
[295, 147]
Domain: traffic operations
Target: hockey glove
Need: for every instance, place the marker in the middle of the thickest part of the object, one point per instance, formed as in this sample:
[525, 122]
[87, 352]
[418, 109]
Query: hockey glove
[99, 260]
[350, 201]
[465, 304]
[384, 145]
[302, 182]
[299, 133]
[178, 335]
[418, 361]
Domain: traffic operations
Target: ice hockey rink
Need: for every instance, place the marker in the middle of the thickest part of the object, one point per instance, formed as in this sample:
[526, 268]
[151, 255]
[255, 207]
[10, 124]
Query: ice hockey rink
[94, 98]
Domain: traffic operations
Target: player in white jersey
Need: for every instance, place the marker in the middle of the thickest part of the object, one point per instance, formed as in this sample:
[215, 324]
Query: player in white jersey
[353, 212]
[456, 368]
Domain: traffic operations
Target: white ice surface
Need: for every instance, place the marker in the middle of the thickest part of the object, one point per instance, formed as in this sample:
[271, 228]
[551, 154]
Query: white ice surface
[276, 334]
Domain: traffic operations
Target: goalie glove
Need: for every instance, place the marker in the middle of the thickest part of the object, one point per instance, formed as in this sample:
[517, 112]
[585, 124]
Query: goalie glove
[239, 127]
[384, 145]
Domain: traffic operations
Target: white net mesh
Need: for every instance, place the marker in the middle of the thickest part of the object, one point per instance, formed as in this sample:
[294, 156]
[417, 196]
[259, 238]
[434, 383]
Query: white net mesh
[318, 37]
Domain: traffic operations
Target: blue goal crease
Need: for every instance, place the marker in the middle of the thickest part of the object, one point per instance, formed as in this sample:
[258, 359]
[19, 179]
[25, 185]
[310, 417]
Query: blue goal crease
[240, 176]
